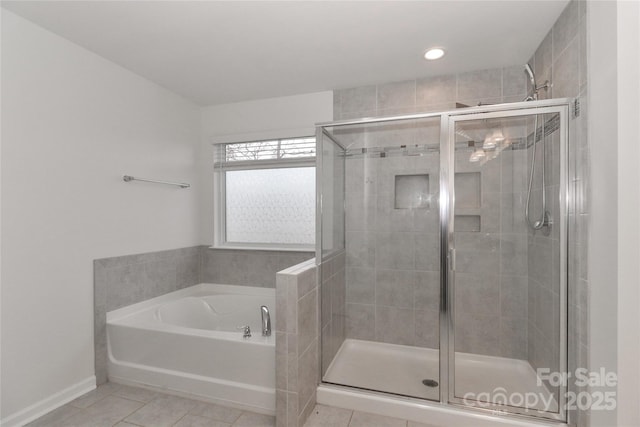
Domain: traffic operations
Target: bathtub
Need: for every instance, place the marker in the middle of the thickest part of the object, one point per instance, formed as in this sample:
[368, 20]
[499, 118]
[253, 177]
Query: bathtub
[188, 342]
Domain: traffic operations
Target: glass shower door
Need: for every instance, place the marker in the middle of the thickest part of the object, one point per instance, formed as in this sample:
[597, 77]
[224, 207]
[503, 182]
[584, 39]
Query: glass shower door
[507, 272]
[391, 307]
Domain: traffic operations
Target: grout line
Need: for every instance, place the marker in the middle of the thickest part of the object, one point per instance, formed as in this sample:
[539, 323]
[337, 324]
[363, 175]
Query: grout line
[129, 422]
[187, 413]
[350, 418]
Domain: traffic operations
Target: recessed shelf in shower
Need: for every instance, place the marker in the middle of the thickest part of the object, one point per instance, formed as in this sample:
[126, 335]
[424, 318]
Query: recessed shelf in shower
[412, 192]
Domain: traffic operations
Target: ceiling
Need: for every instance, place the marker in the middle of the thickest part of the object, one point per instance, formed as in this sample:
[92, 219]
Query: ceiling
[215, 52]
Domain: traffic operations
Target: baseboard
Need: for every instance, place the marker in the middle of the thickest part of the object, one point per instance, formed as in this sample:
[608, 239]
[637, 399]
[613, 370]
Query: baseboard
[48, 404]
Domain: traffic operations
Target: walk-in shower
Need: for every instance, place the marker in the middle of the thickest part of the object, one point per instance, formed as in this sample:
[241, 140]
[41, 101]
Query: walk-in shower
[447, 294]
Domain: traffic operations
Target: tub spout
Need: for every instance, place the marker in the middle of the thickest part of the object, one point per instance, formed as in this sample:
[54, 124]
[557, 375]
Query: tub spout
[266, 321]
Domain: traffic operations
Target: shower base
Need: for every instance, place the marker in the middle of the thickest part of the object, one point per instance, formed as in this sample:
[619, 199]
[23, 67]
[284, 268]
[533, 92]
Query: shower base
[401, 370]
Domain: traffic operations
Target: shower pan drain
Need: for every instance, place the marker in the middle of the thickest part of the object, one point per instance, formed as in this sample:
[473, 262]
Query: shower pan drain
[430, 383]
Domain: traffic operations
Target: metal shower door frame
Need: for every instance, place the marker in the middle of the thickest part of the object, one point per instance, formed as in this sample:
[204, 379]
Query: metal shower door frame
[447, 246]
[322, 133]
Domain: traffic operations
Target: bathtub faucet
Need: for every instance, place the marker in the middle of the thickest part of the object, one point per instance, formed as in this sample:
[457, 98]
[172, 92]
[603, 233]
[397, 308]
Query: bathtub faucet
[266, 321]
[246, 331]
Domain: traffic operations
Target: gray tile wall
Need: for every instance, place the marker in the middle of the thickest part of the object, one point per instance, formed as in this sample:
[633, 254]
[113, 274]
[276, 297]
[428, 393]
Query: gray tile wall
[491, 265]
[431, 93]
[392, 270]
[333, 300]
[248, 268]
[561, 58]
[297, 343]
[543, 247]
[392, 255]
[126, 280]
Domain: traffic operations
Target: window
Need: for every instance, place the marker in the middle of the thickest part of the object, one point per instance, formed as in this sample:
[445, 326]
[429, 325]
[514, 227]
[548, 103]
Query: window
[266, 194]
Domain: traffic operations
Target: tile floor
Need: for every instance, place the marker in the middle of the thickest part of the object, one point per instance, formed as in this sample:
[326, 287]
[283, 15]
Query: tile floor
[122, 406]
[327, 416]
[115, 405]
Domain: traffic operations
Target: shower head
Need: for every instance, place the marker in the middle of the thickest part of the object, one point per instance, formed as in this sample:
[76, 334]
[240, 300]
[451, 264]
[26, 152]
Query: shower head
[532, 78]
[533, 94]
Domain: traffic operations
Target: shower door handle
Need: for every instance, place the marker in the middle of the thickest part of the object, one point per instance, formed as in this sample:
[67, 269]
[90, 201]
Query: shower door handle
[452, 259]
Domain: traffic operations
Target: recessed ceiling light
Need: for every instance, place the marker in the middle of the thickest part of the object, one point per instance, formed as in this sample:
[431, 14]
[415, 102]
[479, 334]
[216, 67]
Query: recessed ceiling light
[434, 53]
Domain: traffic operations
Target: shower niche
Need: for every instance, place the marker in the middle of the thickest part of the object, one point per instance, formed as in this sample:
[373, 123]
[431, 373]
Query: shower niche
[468, 201]
[448, 293]
[412, 192]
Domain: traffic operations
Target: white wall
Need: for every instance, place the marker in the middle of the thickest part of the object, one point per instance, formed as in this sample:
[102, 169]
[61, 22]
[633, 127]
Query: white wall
[628, 74]
[73, 124]
[603, 238]
[615, 233]
[250, 120]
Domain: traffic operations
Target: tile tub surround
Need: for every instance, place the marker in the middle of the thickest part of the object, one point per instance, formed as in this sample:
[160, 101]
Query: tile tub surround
[125, 280]
[297, 343]
[247, 267]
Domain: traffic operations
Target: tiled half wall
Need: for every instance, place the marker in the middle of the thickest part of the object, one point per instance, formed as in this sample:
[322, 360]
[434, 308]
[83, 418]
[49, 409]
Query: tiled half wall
[297, 344]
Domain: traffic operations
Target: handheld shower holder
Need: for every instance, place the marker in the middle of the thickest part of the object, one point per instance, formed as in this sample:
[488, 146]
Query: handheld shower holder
[546, 221]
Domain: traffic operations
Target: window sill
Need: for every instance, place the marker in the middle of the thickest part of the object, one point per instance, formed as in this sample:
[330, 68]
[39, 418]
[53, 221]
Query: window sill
[250, 247]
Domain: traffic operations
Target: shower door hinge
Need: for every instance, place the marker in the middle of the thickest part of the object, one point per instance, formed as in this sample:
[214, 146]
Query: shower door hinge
[575, 107]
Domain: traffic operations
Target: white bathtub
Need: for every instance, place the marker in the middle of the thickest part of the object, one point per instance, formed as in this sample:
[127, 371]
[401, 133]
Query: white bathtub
[188, 342]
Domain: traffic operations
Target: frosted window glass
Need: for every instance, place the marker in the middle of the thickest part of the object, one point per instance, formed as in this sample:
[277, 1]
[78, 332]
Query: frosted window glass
[271, 205]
